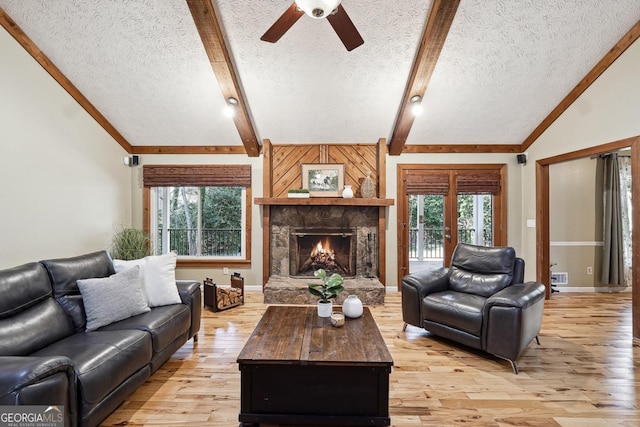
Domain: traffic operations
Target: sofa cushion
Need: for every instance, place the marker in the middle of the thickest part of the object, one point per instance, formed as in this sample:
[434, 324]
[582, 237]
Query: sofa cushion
[102, 359]
[158, 277]
[165, 324]
[458, 310]
[110, 299]
[34, 328]
[23, 287]
[481, 270]
[64, 274]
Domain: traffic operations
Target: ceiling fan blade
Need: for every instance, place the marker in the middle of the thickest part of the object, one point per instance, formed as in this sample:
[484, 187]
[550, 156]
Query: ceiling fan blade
[282, 25]
[345, 29]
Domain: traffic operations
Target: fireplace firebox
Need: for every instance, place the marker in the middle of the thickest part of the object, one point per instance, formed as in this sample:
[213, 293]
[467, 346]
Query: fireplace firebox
[333, 250]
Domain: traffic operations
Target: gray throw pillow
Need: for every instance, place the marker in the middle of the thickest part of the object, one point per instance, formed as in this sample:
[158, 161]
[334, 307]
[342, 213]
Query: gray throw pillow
[110, 299]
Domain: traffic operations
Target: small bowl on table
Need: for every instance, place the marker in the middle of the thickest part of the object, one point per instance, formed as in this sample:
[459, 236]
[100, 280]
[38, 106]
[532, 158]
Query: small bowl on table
[337, 319]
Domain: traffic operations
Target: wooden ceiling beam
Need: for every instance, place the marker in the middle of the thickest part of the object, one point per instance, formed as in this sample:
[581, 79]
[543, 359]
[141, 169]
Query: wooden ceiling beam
[433, 37]
[206, 22]
[42, 59]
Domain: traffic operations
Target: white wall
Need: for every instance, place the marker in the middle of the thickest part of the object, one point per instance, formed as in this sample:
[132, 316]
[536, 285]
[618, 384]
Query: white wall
[576, 240]
[609, 110]
[64, 186]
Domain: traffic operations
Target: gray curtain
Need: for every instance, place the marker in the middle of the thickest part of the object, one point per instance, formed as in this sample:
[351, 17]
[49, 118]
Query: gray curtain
[624, 164]
[613, 251]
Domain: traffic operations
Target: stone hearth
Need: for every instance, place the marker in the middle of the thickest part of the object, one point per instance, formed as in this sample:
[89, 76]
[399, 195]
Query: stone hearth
[289, 290]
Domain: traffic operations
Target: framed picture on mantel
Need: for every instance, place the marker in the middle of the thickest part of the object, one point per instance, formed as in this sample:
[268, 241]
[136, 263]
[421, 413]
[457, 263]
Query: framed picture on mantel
[323, 179]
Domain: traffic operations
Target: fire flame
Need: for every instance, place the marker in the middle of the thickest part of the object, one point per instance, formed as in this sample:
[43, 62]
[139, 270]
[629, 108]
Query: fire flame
[324, 249]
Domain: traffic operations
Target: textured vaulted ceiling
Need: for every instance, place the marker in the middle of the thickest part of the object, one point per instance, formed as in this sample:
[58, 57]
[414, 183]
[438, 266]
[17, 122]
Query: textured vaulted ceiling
[504, 66]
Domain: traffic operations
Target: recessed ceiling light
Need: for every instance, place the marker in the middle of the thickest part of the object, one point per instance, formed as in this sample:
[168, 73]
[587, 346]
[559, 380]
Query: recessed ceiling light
[416, 105]
[230, 109]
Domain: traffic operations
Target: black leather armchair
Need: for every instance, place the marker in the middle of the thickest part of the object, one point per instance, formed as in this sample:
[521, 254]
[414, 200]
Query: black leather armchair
[479, 301]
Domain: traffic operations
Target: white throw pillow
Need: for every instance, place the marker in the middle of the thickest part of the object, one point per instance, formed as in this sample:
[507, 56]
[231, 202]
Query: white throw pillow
[158, 277]
[110, 299]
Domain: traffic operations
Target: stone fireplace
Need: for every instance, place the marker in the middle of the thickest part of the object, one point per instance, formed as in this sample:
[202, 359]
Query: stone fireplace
[340, 239]
[288, 222]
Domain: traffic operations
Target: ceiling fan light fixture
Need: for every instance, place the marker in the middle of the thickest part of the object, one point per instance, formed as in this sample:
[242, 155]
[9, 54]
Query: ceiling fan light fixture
[318, 9]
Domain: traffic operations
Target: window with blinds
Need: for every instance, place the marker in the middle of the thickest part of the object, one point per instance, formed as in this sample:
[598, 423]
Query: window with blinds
[200, 211]
[478, 182]
[466, 182]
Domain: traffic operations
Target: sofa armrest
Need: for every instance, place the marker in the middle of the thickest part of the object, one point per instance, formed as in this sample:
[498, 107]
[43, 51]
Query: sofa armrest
[520, 295]
[415, 287]
[426, 282]
[513, 318]
[191, 295]
[26, 380]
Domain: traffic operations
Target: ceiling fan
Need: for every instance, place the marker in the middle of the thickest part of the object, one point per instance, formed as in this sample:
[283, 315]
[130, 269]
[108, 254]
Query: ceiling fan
[317, 9]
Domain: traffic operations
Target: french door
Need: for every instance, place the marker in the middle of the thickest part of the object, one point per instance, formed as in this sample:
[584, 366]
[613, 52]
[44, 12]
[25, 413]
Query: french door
[442, 205]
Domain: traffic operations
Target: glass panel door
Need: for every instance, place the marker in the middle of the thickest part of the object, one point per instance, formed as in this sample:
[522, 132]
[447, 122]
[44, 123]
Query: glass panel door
[426, 231]
[442, 205]
[475, 219]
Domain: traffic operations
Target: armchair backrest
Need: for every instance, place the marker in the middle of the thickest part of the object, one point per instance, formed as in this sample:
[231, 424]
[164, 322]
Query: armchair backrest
[518, 271]
[481, 270]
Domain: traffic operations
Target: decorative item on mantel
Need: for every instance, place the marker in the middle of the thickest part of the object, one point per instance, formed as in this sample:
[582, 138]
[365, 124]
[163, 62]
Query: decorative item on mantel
[327, 290]
[347, 193]
[298, 193]
[323, 179]
[368, 187]
[352, 307]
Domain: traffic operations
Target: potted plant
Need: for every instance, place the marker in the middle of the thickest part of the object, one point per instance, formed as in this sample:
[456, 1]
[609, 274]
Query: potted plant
[330, 287]
[298, 193]
[129, 244]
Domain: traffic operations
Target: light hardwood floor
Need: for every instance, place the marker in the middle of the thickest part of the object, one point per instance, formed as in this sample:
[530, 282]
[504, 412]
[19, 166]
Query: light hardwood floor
[585, 373]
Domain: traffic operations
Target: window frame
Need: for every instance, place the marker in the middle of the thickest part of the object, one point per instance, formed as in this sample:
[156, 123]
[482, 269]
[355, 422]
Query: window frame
[213, 175]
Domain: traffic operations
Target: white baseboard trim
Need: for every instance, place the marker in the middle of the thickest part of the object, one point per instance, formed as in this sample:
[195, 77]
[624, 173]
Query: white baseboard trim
[576, 243]
[600, 289]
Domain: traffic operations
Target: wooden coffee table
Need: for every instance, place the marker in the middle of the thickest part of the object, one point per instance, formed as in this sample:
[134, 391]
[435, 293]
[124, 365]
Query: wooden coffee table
[298, 369]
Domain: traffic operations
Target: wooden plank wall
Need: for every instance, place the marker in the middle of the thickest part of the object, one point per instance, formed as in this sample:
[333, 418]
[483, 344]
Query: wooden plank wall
[283, 164]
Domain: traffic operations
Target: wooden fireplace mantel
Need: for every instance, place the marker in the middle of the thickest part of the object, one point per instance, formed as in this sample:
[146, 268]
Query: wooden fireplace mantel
[321, 201]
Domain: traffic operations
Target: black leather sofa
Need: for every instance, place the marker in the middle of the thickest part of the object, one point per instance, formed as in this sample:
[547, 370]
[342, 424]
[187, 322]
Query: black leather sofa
[47, 358]
[480, 301]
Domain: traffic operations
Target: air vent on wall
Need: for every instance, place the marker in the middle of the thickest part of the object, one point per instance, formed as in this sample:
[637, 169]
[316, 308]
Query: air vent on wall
[559, 278]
